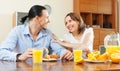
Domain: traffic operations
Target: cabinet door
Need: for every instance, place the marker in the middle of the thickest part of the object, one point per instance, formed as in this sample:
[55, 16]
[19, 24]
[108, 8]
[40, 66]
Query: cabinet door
[103, 33]
[105, 6]
[96, 38]
[88, 5]
[76, 6]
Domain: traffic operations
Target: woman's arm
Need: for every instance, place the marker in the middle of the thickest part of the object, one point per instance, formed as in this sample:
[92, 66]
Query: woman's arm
[84, 45]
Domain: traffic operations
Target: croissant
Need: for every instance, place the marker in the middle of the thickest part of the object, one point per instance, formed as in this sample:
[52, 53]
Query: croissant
[53, 55]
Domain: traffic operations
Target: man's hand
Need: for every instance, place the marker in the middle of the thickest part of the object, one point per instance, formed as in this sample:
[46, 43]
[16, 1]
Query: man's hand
[67, 55]
[27, 54]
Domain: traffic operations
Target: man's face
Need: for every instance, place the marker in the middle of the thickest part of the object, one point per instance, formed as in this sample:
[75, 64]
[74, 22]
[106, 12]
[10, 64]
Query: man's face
[44, 19]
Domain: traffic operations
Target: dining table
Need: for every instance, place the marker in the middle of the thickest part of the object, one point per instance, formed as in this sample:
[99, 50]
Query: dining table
[59, 65]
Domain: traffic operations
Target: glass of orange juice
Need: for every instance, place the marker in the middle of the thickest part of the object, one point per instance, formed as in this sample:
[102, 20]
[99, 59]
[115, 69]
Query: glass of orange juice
[112, 49]
[37, 55]
[77, 54]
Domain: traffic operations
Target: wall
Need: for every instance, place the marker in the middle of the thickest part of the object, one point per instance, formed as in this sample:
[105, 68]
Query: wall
[59, 9]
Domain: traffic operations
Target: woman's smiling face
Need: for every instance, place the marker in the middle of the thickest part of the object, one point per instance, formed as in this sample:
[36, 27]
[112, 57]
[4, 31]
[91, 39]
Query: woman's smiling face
[71, 25]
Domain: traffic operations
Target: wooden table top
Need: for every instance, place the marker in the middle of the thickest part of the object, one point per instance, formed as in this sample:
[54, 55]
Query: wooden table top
[57, 66]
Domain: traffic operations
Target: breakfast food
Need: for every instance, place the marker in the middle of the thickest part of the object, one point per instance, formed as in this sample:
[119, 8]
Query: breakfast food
[52, 56]
[79, 60]
[95, 56]
[115, 57]
[47, 57]
[103, 57]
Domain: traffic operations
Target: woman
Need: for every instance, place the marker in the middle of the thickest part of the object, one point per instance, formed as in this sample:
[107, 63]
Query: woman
[79, 36]
[33, 33]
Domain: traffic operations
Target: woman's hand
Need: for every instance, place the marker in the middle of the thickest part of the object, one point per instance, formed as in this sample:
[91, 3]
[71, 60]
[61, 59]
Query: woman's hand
[27, 54]
[68, 55]
[55, 37]
[86, 50]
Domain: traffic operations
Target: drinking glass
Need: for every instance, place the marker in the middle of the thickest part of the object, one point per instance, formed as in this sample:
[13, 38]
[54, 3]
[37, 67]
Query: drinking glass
[77, 54]
[37, 55]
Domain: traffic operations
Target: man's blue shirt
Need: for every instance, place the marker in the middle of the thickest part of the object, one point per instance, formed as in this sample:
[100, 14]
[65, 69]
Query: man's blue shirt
[20, 39]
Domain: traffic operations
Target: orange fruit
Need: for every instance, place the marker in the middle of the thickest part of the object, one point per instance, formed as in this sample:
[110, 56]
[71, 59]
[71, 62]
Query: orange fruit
[103, 57]
[96, 53]
[93, 55]
[81, 60]
[115, 57]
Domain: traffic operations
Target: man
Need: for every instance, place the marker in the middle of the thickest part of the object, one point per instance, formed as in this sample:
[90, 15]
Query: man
[33, 33]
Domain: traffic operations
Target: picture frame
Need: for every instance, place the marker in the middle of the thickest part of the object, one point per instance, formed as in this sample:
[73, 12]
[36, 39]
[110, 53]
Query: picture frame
[17, 18]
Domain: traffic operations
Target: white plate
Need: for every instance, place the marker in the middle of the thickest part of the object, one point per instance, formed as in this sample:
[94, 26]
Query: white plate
[95, 61]
[50, 60]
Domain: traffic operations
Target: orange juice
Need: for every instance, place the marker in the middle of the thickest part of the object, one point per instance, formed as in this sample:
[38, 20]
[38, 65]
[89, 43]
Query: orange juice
[77, 55]
[118, 48]
[112, 49]
[37, 55]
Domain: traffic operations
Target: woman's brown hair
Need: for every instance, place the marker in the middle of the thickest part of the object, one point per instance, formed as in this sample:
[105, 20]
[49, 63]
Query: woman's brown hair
[76, 17]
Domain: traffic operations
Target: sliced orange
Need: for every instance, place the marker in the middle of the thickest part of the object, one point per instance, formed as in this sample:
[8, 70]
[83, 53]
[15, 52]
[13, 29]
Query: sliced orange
[81, 60]
[103, 57]
[96, 53]
[115, 57]
[93, 55]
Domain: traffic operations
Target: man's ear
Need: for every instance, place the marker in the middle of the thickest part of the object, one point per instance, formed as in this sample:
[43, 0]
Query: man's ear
[37, 19]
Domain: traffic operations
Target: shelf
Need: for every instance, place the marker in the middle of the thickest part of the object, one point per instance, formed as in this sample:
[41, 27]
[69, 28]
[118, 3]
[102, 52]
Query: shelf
[87, 17]
[107, 21]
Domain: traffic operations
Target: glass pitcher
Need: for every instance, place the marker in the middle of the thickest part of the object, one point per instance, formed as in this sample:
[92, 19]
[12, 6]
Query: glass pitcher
[112, 43]
[112, 40]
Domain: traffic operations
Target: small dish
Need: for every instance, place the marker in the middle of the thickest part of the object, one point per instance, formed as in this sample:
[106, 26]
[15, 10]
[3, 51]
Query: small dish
[50, 60]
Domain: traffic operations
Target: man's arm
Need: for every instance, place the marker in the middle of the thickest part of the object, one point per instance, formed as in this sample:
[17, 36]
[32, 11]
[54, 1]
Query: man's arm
[7, 47]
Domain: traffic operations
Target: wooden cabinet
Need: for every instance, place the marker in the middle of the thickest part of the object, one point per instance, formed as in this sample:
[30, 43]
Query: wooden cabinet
[99, 14]
[94, 6]
[87, 17]
[105, 6]
[103, 33]
[99, 35]
[96, 38]
[88, 5]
